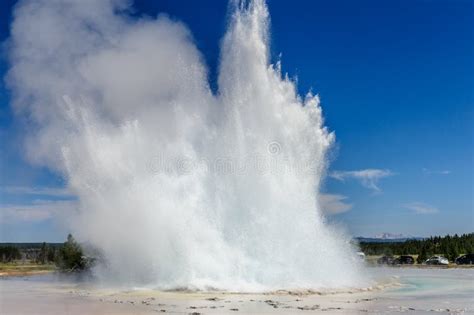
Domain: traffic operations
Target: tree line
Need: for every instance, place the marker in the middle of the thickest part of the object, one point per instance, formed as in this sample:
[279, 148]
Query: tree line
[68, 256]
[448, 246]
[9, 253]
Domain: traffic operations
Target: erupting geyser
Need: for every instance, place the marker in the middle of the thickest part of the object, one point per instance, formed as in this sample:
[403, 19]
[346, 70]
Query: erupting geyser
[178, 186]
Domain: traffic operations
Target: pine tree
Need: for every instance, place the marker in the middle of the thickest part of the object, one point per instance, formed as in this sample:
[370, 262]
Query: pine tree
[422, 256]
[453, 251]
[43, 254]
[70, 255]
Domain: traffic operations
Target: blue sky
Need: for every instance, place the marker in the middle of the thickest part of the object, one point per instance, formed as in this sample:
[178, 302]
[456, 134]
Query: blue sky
[396, 82]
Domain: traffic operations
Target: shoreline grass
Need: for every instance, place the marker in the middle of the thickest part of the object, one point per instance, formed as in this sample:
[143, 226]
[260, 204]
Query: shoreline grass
[25, 269]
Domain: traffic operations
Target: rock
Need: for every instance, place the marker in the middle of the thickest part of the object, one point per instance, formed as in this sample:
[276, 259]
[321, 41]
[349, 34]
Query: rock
[308, 308]
[275, 304]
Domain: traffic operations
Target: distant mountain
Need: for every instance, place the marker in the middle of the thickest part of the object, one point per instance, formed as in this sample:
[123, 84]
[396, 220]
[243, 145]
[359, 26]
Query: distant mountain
[390, 236]
[387, 238]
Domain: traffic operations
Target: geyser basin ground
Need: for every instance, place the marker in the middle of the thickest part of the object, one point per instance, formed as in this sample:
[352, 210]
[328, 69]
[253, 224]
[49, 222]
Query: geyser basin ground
[413, 291]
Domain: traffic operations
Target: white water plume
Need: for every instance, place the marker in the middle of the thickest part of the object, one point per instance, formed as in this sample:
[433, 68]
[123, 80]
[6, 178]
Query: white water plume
[178, 186]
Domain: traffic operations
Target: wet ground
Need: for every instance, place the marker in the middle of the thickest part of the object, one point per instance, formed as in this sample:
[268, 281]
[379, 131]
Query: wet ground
[404, 290]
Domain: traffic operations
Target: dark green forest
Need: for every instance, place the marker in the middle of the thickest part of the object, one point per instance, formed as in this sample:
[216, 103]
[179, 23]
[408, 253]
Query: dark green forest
[448, 246]
[9, 253]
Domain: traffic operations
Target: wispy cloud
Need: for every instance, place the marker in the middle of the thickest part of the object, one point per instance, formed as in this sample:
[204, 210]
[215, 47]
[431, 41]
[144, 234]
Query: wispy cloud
[37, 190]
[431, 172]
[421, 208]
[38, 210]
[368, 177]
[48, 202]
[333, 204]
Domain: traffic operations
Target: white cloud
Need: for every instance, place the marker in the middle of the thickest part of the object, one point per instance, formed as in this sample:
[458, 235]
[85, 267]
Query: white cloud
[333, 204]
[421, 208]
[431, 172]
[39, 210]
[368, 178]
[38, 190]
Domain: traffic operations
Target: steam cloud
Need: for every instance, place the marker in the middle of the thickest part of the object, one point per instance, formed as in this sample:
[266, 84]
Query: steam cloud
[178, 186]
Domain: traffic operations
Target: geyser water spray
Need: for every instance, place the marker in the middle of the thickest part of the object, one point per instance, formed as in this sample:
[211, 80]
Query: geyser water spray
[178, 186]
